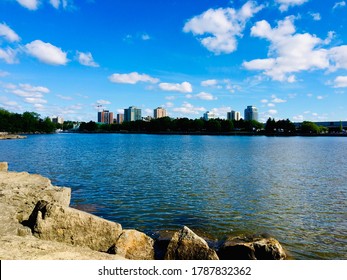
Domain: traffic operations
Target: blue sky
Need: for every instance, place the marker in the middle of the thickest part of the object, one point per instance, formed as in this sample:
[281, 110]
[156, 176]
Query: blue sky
[66, 57]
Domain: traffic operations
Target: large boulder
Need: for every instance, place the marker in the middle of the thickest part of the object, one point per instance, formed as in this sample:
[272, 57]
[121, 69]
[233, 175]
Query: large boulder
[251, 248]
[23, 190]
[186, 245]
[56, 222]
[134, 245]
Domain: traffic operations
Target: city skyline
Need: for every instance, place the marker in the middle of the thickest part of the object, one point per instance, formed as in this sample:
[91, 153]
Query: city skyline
[287, 58]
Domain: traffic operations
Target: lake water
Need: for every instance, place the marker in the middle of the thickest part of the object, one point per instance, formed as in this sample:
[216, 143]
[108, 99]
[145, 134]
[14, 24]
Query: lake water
[293, 188]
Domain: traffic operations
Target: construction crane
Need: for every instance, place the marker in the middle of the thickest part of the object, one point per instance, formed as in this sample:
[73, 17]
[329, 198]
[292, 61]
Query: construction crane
[99, 107]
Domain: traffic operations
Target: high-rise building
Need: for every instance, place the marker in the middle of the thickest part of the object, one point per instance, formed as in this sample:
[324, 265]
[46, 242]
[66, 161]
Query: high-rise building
[208, 116]
[132, 114]
[58, 119]
[120, 118]
[234, 116]
[251, 113]
[159, 113]
[105, 117]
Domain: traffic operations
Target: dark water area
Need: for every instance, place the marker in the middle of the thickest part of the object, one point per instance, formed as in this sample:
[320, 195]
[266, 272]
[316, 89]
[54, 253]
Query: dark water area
[293, 188]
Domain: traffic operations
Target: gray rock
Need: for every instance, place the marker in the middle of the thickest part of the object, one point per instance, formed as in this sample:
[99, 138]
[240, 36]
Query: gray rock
[186, 245]
[134, 245]
[56, 222]
[251, 248]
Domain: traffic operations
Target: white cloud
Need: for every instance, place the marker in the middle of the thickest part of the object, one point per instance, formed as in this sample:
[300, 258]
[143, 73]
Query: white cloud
[298, 118]
[275, 99]
[86, 59]
[184, 87]
[29, 4]
[9, 55]
[46, 53]
[271, 105]
[171, 97]
[340, 82]
[264, 101]
[319, 97]
[63, 97]
[188, 109]
[103, 102]
[285, 4]
[218, 29]
[169, 104]
[339, 5]
[338, 57]
[289, 52]
[209, 83]
[8, 33]
[35, 100]
[145, 37]
[4, 73]
[202, 95]
[221, 112]
[316, 16]
[30, 88]
[29, 93]
[55, 3]
[132, 78]
[272, 112]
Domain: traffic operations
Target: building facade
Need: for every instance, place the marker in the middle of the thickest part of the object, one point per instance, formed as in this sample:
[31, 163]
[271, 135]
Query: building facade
[120, 118]
[251, 113]
[57, 120]
[233, 116]
[132, 114]
[159, 113]
[105, 117]
[209, 115]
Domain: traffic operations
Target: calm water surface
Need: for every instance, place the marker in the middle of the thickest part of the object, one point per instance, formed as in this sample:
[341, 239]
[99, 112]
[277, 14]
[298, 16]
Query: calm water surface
[292, 188]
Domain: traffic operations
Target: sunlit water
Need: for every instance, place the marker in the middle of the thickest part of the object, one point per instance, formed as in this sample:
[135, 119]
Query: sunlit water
[293, 188]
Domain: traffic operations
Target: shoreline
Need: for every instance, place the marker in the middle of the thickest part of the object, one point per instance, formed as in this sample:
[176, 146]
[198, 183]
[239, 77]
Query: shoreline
[38, 223]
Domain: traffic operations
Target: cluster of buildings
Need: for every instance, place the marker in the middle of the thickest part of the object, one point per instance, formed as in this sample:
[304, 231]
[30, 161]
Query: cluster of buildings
[130, 114]
[134, 114]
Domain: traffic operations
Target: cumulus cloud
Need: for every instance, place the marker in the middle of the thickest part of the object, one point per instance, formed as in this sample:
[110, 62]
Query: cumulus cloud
[203, 96]
[338, 57]
[272, 112]
[218, 29]
[86, 59]
[340, 82]
[209, 83]
[132, 78]
[289, 52]
[9, 55]
[285, 4]
[339, 5]
[316, 16]
[184, 87]
[188, 109]
[8, 33]
[29, 93]
[46, 53]
[275, 99]
[29, 4]
[103, 102]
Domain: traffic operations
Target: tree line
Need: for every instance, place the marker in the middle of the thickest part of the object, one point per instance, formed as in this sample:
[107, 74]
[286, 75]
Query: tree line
[28, 122]
[180, 125]
[31, 122]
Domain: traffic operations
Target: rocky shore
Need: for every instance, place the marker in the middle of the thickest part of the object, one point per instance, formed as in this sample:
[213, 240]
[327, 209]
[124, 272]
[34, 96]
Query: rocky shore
[38, 224]
[7, 136]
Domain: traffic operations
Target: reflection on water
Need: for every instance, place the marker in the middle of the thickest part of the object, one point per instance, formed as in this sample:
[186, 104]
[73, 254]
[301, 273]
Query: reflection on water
[292, 188]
